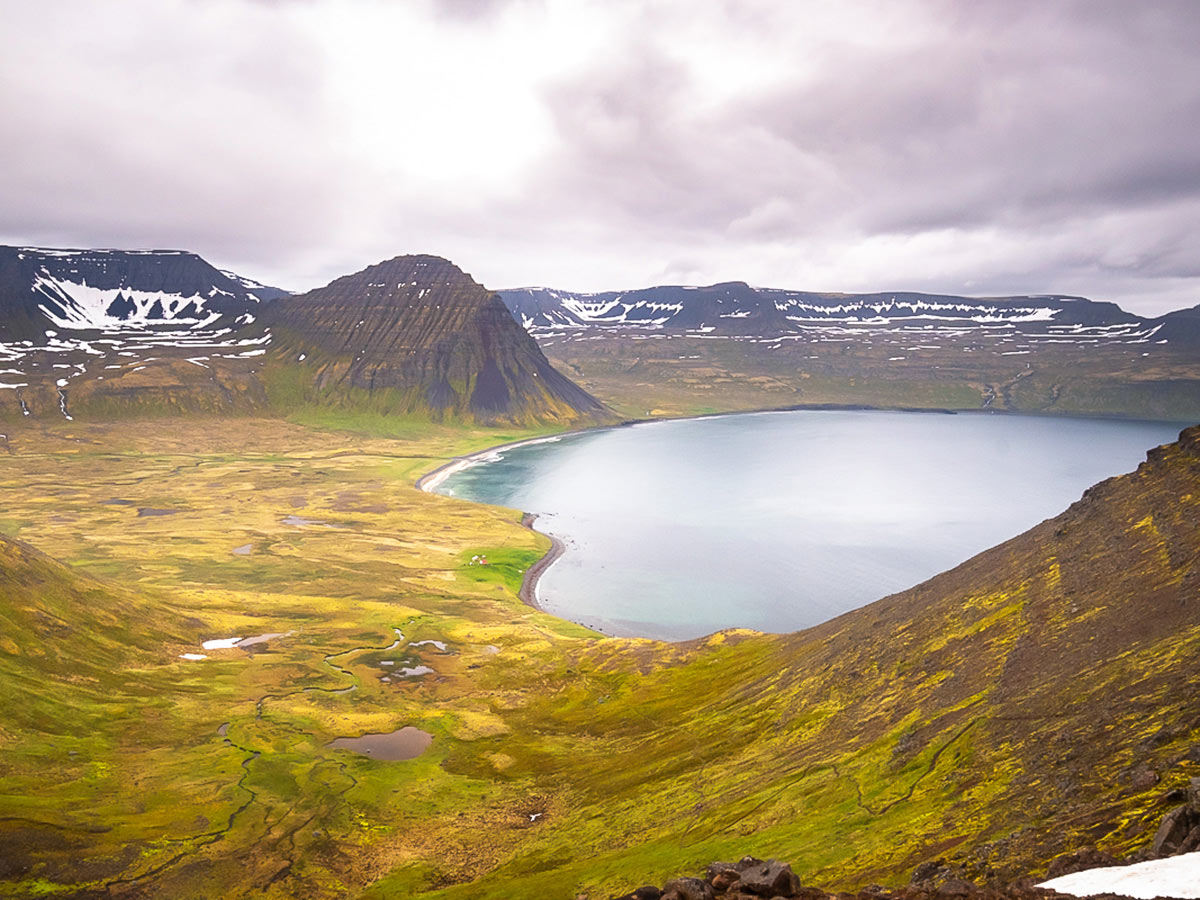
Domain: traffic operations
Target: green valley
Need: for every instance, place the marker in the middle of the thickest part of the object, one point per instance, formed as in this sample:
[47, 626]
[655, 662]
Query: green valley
[998, 715]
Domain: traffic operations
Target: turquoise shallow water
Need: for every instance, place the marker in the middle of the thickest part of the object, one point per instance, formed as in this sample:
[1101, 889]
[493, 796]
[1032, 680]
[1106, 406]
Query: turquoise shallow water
[779, 521]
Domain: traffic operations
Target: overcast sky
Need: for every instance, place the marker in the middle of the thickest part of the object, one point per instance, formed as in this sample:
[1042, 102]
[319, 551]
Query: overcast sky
[979, 146]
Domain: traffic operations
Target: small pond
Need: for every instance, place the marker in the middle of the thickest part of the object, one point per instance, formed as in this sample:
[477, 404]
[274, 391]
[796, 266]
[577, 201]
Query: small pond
[405, 743]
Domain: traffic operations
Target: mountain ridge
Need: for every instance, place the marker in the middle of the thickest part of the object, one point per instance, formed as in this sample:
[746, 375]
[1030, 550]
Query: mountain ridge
[79, 334]
[111, 289]
[680, 350]
[738, 308]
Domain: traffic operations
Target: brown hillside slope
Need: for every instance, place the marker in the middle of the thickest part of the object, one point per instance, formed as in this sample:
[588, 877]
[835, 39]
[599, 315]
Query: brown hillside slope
[1068, 657]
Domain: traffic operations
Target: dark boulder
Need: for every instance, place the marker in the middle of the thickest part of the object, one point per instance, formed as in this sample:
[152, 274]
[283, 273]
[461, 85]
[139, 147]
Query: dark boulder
[722, 876]
[766, 879]
[647, 892]
[1079, 861]
[1143, 778]
[687, 889]
[1175, 828]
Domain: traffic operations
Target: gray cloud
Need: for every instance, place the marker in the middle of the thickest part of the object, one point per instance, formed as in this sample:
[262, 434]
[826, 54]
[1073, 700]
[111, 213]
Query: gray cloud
[1014, 116]
[990, 146]
[172, 133]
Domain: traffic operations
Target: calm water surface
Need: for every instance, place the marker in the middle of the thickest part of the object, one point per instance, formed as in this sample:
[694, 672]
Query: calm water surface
[779, 521]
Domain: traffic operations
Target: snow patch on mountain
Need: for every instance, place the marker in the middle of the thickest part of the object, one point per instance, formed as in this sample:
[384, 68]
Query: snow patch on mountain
[255, 290]
[740, 312]
[618, 312]
[76, 305]
[885, 311]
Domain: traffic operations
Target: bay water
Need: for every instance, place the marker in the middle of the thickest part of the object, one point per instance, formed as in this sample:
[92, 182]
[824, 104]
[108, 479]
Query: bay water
[778, 521]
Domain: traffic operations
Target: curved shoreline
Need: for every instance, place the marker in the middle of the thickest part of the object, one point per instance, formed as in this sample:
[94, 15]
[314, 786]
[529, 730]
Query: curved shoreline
[528, 591]
[430, 481]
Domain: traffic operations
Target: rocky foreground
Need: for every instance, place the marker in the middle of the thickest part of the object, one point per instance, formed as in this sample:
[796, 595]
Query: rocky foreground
[756, 879]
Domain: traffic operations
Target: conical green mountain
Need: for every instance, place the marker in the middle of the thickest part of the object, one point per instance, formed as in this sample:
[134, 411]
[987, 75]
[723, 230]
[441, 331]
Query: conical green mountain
[420, 336]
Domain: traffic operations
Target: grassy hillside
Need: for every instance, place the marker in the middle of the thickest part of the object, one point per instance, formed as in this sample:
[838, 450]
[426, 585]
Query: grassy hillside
[1036, 699]
[59, 628]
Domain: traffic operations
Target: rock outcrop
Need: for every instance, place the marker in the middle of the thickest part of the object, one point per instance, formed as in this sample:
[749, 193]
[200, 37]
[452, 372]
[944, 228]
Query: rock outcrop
[1180, 828]
[748, 878]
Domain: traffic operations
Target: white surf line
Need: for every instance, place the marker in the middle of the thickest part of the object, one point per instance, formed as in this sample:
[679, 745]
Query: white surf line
[431, 481]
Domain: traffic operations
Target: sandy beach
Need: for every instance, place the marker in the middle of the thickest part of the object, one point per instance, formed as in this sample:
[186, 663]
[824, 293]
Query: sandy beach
[528, 592]
[430, 481]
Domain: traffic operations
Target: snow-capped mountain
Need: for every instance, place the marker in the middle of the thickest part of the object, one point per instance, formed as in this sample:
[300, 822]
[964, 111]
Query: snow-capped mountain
[117, 290]
[737, 308]
[74, 316]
